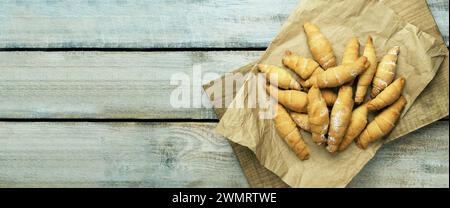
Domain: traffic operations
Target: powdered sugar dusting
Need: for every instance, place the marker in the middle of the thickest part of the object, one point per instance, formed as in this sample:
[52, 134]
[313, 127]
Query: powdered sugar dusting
[327, 62]
[382, 83]
[336, 119]
[322, 136]
[389, 63]
[331, 139]
[315, 37]
[393, 52]
[325, 128]
[337, 102]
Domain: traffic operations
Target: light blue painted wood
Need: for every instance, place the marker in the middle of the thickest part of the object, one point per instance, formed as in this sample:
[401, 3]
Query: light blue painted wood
[418, 159]
[41, 154]
[151, 23]
[55, 154]
[107, 84]
[439, 9]
[141, 23]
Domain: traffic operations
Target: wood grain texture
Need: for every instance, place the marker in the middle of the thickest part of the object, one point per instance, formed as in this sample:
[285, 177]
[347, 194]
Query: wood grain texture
[105, 84]
[418, 159]
[141, 23]
[439, 9]
[83, 154]
[151, 23]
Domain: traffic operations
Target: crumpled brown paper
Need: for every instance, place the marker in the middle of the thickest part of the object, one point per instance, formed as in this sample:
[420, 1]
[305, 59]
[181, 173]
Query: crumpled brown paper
[420, 57]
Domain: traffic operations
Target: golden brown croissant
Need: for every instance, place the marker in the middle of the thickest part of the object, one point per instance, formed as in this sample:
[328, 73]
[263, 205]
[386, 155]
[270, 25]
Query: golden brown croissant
[382, 124]
[302, 120]
[388, 95]
[366, 77]
[283, 79]
[385, 72]
[318, 115]
[304, 67]
[319, 46]
[357, 124]
[351, 52]
[287, 130]
[337, 76]
[292, 99]
[340, 117]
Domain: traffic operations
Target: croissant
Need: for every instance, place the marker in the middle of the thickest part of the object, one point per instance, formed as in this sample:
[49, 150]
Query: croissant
[340, 117]
[292, 99]
[304, 67]
[382, 124]
[287, 130]
[318, 115]
[385, 72]
[313, 78]
[302, 120]
[366, 77]
[351, 52]
[357, 123]
[319, 46]
[388, 95]
[337, 76]
[283, 79]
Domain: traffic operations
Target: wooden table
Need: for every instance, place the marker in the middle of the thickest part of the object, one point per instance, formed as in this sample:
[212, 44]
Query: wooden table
[85, 86]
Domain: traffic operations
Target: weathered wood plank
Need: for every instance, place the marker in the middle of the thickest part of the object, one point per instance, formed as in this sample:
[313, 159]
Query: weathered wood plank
[439, 9]
[419, 159]
[116, 155]
[83, 154]
[151, 23]
[141, 24]
[105, 84]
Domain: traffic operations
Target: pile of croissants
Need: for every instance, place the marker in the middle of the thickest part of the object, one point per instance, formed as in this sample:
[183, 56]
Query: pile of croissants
[310, 97]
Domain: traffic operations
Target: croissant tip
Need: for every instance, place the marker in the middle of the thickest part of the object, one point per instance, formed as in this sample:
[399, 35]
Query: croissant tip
[403, 99]
[309, 25]
[288, 53]
[364, 59]
[396, 49]
[331, 148]
[360, 145]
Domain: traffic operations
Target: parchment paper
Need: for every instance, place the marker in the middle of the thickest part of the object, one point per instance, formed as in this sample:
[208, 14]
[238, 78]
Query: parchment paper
[419, 60]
